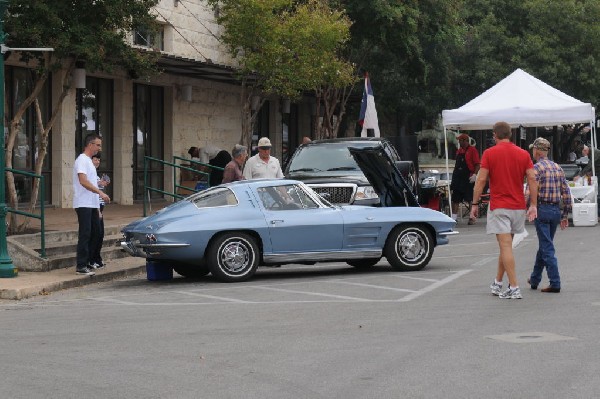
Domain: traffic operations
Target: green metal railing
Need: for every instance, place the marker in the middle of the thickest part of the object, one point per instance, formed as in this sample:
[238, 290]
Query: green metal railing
[41, 216]
[175, 166]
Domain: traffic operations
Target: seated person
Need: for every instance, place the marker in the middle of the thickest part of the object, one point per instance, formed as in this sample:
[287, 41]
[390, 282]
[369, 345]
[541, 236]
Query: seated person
[585, 152]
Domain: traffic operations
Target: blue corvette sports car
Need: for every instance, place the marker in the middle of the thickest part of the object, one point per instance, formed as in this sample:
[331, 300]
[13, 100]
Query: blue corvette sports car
[231, 229]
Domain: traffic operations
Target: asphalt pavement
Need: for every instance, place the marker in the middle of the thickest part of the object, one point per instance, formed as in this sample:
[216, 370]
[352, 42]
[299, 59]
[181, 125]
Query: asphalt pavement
[328, 331]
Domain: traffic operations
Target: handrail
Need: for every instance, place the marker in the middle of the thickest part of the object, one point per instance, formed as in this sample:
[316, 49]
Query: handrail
[189, 169]
[42, 214]
[148, 188]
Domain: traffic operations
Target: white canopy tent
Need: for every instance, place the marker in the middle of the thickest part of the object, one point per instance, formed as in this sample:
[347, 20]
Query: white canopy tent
[520, 100]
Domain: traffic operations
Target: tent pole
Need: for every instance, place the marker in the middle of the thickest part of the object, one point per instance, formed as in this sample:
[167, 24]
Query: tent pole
[448, 172]
[593, 140]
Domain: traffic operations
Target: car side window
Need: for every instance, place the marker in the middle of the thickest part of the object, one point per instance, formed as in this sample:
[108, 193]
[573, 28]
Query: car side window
[303, 198]
[289, 197]
[214, 198]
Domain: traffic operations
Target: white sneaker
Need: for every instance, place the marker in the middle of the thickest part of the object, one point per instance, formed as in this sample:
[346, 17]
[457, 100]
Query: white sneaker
[511, 293]
[496, 288]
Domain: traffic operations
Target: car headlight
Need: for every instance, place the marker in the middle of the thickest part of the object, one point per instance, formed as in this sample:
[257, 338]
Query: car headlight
[366, 192]
[429, 182]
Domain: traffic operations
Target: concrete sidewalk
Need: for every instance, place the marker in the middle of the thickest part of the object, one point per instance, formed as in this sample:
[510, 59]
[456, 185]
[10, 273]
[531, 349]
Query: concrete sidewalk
[28, 284]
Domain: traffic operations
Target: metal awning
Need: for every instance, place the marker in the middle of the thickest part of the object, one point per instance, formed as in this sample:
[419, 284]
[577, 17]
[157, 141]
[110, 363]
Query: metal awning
[191, 68]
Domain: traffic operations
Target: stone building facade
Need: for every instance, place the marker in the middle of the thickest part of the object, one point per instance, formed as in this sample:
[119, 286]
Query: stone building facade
[158, 118]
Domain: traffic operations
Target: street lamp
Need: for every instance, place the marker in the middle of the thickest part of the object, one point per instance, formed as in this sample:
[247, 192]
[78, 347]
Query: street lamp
[7, 269]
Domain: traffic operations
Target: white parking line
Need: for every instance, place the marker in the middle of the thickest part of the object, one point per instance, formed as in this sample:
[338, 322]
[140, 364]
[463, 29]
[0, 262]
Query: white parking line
[381, 287]
[138, 298]
[433, 286]
[112, 300]
[221, 298]
[311, 293]
[431, 280]
[484, 261]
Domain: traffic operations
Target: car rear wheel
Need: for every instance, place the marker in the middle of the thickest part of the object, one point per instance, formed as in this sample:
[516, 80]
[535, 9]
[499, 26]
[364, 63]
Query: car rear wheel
[191, 271]
[233, 257]
[363, 263]
[409, 247]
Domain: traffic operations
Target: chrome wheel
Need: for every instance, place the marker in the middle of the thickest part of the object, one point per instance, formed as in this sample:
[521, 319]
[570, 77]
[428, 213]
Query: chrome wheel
[233, 257]
[409, 247]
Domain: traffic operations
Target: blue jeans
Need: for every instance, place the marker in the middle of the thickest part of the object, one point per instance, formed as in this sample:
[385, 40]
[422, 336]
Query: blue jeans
[89, 226]
[548, 219]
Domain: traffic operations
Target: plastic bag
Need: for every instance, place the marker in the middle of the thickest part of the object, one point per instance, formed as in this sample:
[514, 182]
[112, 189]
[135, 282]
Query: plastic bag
[517, 238]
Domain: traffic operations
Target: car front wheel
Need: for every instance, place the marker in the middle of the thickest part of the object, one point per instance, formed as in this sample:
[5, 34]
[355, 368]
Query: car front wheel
[409, 247]
[233, 257]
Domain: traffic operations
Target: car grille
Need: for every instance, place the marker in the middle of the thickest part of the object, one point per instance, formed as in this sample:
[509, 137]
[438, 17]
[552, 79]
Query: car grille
[336, 194]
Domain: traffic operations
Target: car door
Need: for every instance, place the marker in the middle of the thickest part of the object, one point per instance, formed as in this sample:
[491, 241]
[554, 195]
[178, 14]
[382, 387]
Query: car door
[297, 223]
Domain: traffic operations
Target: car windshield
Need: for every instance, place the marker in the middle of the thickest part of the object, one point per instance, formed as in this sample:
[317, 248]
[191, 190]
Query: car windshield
[331, 157]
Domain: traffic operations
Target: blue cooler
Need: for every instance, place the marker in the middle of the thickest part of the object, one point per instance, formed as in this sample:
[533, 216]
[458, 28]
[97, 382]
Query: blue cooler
[157, 271]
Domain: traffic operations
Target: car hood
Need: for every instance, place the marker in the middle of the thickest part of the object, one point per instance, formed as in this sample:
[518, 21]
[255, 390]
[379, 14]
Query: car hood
[384, 176]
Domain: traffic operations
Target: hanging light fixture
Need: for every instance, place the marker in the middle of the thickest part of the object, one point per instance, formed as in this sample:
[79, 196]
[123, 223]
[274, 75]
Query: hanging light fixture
[79, 75]
[286, 106]
[186, 93]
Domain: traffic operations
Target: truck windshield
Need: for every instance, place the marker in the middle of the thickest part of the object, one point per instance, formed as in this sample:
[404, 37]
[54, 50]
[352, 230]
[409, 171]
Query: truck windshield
[323, 157]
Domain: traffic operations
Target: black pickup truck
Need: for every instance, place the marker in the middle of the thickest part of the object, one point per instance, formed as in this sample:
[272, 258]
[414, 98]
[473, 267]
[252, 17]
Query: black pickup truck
[329, 169]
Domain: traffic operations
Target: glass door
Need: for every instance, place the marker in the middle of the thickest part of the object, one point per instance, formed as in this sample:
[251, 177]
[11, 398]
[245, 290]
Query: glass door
[94, 116]
[148, 136]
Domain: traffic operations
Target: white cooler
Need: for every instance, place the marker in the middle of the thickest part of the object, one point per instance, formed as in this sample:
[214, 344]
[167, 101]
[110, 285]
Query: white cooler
[585, 213]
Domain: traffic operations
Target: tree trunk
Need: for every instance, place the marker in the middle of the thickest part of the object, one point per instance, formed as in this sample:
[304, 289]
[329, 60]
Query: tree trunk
[249, 116]
[334, 102]
[14, 127]
[43, 148]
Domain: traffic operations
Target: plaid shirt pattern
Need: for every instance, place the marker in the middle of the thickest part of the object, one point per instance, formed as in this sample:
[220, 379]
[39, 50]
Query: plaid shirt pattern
[552, 185]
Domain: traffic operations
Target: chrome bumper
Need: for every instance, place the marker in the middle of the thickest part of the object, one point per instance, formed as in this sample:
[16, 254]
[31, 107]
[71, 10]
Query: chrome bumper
[135, 248]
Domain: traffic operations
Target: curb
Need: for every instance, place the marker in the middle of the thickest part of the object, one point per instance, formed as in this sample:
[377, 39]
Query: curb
[44, 288]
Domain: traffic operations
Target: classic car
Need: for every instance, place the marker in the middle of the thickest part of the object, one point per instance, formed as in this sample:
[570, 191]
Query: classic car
[231, 229]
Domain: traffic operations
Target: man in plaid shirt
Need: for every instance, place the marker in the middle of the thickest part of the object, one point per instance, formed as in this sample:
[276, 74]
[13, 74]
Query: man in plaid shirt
[552, 190]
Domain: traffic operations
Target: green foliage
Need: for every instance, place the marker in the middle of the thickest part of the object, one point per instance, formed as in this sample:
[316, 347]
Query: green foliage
[556, 41]
[93, 31]
[407, 47]
[288, 46]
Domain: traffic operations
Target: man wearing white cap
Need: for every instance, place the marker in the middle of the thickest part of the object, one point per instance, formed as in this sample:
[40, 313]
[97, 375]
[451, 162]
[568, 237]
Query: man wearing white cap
[263, 165]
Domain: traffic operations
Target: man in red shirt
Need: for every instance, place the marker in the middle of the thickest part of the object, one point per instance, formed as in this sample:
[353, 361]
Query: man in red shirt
[506, 166]
[463, 176]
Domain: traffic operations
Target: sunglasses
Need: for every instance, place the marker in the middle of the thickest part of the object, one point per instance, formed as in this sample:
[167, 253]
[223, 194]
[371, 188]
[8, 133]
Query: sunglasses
[264, 148]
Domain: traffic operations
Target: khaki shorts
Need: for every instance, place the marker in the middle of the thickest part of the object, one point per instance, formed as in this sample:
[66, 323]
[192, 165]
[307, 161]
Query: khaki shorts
[504, 221]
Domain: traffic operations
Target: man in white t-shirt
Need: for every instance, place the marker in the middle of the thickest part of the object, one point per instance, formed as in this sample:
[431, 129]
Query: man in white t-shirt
[263, 165]
[86, 201]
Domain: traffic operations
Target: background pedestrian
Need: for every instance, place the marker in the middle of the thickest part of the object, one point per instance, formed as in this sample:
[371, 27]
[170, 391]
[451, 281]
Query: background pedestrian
[552, 190]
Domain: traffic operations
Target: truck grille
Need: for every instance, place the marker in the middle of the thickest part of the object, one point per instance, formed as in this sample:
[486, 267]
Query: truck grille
[336, 194]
